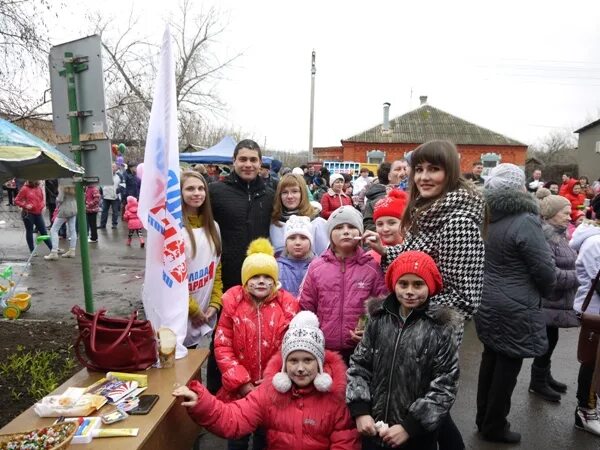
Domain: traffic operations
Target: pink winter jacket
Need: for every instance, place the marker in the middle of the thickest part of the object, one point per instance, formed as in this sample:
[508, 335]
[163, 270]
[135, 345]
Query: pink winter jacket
[336, 292]
[303, 418]
[131, 216]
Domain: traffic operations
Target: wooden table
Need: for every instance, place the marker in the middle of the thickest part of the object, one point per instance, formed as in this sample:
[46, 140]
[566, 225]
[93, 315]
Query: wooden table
[167, 426]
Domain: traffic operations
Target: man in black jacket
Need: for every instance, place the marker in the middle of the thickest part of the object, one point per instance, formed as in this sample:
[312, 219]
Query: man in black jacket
[242, 205]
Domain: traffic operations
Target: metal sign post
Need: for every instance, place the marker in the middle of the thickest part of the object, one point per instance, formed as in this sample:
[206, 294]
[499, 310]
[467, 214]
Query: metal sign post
[75, 65]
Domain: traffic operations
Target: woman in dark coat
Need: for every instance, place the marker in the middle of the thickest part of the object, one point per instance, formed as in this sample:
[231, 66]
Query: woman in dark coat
[558, 305]
[510, 323]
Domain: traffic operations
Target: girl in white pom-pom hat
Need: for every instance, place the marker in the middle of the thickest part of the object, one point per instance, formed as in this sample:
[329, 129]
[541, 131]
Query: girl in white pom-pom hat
[302, 399]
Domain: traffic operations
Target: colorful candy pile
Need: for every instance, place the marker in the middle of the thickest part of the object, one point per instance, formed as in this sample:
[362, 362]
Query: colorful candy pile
[42, 439]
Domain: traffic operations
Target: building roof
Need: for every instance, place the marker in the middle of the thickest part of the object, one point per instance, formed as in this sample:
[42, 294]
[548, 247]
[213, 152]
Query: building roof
[426, 123]
[588, 126]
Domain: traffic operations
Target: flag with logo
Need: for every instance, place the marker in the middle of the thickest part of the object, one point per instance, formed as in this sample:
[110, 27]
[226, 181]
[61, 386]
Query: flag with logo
[165, 292]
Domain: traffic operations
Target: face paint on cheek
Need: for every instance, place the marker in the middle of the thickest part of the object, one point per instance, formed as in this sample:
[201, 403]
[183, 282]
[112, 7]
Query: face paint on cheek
[260, 284]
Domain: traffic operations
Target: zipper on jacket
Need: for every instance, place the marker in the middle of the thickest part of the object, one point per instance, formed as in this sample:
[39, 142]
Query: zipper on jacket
[389, 392]
[342, 302]
[259, 343]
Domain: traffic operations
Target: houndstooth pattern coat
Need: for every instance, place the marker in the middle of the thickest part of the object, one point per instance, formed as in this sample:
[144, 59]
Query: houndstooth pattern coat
[449, 231]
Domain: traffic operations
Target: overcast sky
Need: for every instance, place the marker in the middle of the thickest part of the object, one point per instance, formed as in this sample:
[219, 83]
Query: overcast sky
[521, 68]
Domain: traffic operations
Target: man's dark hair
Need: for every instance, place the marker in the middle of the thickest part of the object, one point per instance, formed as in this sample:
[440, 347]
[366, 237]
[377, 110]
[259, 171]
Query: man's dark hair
[383, 172]
[477, 163]
[304, 167]
[248, 144]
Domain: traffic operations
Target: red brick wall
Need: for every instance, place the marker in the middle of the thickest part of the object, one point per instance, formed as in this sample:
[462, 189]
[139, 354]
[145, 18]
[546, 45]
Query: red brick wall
[357, 151]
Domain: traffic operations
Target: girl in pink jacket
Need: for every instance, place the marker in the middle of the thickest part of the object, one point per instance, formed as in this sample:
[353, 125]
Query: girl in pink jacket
[134, 224]
[338, 283]
[301, 399]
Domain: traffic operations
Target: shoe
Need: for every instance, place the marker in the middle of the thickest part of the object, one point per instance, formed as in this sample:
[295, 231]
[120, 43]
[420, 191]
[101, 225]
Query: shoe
[129, 242]
[69, 254]
[102, 227]
[60, 251]
[52, 256]
[142, 243]
[556, 385]
[35, 253]
[539, 384]
[587, 420]
[114, 227]
[93, 241]
[507, 437]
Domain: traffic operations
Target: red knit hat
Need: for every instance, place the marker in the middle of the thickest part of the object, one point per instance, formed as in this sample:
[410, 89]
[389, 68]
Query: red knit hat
[417, 263]
[393, 205]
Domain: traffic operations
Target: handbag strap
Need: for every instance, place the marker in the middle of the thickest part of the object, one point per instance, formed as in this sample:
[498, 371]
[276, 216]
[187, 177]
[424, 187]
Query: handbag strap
[117, 342]
[590, 294]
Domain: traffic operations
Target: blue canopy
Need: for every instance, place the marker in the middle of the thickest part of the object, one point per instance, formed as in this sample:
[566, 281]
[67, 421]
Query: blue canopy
[221, 153]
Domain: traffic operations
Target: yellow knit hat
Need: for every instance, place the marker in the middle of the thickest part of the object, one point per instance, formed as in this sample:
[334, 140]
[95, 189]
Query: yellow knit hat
[260, 261]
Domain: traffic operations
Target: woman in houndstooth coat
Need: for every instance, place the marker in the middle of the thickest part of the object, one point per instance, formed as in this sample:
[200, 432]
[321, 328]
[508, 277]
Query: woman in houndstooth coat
[443, 219]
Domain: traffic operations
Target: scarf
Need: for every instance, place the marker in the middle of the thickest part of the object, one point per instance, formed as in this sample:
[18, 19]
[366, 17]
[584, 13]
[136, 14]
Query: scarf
[285, 215]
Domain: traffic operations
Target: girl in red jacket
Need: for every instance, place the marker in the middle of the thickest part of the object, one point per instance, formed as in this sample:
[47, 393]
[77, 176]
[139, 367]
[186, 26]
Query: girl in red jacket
[254, 318]
[574, 195]
[300, 401]
[134, 224]
[31, 200]
[335, 197]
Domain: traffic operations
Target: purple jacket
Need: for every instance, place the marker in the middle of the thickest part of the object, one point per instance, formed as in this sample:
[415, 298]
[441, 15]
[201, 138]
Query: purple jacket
[336, 292]
[291, 273]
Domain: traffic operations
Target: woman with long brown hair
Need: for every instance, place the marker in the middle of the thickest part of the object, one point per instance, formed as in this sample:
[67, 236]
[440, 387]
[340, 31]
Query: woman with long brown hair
[443, 219]
[291, 199]
[203, 255]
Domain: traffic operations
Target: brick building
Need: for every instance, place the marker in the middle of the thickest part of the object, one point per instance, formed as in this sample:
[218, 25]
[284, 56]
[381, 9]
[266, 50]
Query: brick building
[394, 138]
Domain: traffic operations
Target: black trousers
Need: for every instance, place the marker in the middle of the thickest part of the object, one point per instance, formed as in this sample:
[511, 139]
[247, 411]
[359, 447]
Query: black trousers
[213, 374]
[544, 360]
[449, 437]
[92, 225]
[497, 379]
[586, 397]
[425, 442]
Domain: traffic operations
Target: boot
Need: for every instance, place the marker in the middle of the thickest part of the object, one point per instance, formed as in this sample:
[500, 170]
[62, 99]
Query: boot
[69, 253]
[587, 420]
[142, 243]
[52, 256]
[556, 385]
[539, 384]
[129, 242]
[507, 436]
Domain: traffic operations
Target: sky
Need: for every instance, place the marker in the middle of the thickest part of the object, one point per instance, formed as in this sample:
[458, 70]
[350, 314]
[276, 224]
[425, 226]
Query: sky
[521, 68]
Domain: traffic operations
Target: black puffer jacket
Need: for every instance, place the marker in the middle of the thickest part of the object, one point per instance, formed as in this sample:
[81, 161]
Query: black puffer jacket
[405, 373]
[519, 269]
[558, 305]
[374, 193]
[243, 212]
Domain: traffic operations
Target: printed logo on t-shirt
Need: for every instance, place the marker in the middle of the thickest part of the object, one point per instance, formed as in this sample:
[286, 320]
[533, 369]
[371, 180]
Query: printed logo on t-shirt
[198, 279]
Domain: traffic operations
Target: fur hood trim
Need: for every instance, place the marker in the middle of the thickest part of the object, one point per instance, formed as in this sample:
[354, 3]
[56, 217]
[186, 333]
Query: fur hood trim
[509, 202]
[334, 366]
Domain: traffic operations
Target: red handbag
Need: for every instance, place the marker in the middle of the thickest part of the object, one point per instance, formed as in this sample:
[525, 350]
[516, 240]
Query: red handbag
[113, 343]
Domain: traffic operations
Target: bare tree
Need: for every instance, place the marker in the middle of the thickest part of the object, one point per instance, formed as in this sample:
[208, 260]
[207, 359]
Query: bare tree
[556, 147]
[131, 70]
[24, 48]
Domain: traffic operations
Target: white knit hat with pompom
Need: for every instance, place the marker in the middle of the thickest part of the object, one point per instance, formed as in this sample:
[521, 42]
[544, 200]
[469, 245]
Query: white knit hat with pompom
[303, 334]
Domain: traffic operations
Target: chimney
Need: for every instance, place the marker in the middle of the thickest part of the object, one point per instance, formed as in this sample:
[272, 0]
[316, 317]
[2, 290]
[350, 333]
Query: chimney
[423, 99]
[386, 117]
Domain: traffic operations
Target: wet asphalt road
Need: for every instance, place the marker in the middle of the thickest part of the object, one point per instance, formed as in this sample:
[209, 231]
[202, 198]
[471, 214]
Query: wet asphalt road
[117, 275]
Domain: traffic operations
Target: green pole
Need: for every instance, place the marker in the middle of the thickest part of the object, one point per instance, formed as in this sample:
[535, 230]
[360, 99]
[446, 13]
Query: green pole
[76, 148]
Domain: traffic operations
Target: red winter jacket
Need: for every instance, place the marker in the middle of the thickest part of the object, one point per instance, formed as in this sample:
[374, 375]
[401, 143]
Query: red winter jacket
[131, 216]
[92, 199]
[31, 199]
[248, 336]
[332, 202]
[575, 199]
[301, 418]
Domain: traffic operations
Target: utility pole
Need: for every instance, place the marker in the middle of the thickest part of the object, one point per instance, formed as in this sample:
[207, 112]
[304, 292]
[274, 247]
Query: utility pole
[313, 71]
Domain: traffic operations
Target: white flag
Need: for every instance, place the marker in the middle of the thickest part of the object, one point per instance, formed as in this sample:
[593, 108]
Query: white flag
[165, 293]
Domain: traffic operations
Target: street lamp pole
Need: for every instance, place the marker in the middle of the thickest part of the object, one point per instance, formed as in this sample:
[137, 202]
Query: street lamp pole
[313, 71]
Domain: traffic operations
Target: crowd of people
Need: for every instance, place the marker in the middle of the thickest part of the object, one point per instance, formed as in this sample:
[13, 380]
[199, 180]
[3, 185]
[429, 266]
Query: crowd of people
[335, 309]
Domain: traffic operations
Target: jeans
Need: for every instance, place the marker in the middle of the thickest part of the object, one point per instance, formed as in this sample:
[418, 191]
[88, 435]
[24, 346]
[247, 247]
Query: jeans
[114, 205]
[586, 397]
[34, 220]
[71, 226]
[544, 360]
[92, 225]
[259, 441]
[497, 379]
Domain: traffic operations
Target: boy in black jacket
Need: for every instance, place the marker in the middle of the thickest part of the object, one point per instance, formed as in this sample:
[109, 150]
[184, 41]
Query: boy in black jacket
[403, 375]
